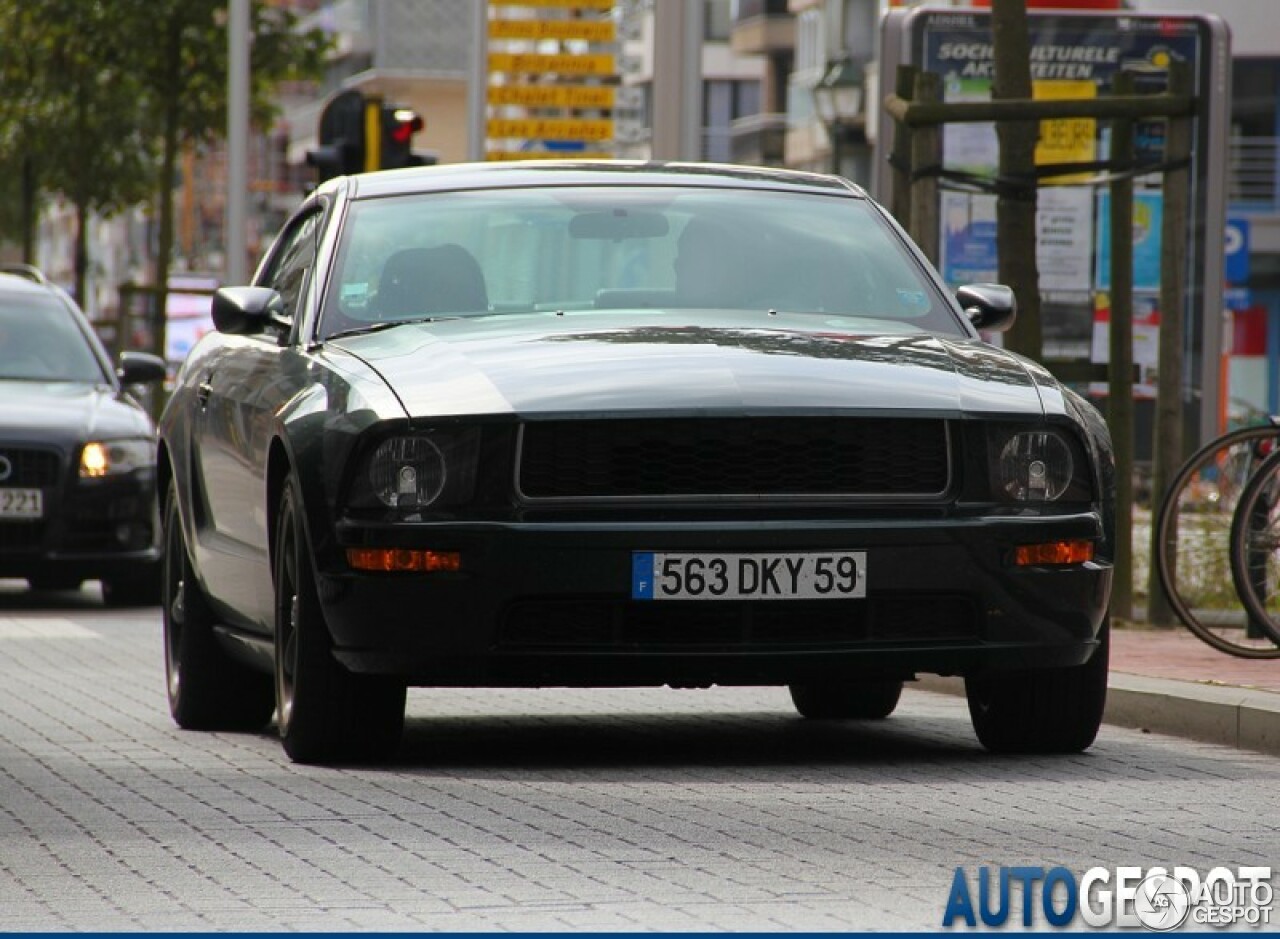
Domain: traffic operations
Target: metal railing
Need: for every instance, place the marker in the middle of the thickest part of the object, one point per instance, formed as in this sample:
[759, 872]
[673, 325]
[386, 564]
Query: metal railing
[1253, 178]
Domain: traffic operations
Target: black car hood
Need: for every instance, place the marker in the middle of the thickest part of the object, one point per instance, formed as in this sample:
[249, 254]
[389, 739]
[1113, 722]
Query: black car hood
[656, 361]
[58, 412]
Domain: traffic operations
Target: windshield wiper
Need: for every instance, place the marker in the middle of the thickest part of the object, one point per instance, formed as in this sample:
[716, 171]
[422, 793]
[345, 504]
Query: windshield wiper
[379, 327]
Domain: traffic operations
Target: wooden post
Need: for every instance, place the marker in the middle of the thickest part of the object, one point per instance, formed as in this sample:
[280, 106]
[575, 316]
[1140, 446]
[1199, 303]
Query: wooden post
[1166, 449]
[901, 207]
[1016, 198]
[1120, 384]
[926, 151]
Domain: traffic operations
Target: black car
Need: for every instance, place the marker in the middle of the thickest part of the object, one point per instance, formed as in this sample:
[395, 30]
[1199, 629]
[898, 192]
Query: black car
[597, 424]
[77, 452]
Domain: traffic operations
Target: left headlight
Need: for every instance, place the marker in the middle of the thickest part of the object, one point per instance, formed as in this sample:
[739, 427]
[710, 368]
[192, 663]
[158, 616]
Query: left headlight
[99, 458]
[433, 469]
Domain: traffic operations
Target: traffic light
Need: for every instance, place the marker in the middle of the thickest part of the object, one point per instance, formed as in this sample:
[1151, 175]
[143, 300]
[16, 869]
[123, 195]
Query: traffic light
[398, 127]
[342, 137]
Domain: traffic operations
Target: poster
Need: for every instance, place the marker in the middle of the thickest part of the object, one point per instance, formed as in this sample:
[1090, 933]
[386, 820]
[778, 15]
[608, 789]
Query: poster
[968, 243]
[1148, 217]
[1064, 241]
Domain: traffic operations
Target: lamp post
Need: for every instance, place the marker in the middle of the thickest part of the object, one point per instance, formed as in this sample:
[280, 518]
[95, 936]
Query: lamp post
[838, 98]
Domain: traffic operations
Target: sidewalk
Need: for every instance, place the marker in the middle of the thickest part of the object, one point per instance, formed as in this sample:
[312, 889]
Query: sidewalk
[1168, 681]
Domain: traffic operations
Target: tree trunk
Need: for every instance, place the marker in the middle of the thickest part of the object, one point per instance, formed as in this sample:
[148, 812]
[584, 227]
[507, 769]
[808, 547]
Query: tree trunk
[1016, 204]
[29, 212]
[168, 165]
[82, 254]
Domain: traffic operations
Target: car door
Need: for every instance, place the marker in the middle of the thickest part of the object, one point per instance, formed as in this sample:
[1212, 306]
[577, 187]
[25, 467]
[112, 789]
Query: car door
[240, 390]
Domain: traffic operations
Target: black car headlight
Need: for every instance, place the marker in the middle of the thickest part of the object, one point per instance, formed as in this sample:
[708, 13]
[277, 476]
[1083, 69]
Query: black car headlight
[99, 458]
[1036, 464]
[432, 469]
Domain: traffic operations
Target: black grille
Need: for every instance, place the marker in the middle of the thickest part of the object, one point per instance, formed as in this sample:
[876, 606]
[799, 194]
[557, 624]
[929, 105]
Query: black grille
[651, 625]
[776, 456]
[21, 536]
[30, 468]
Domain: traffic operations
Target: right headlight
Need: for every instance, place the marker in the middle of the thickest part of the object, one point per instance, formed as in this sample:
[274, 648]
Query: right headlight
[432, 469]
[1032, 464]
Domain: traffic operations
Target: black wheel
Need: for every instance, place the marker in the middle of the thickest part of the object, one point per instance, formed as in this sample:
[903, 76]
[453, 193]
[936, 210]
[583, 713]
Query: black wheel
[1054, 710]
[1193, 541]
[868, 700]
[53, 582]
[1255, 549]
[139, 588]
[208, 690]
[326, 713]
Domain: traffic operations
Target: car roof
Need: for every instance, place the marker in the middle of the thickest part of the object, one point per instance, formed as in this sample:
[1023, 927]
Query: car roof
[523, 173]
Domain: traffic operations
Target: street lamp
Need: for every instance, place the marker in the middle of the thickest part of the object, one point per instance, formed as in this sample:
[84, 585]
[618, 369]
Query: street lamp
[838, 99]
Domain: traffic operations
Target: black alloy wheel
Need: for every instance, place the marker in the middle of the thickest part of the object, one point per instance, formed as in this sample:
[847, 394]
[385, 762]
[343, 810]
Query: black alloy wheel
[207, 689]
[1056, 710]
[326, 714]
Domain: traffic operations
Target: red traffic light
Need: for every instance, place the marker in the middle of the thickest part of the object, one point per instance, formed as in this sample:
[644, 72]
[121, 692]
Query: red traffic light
[404, 124]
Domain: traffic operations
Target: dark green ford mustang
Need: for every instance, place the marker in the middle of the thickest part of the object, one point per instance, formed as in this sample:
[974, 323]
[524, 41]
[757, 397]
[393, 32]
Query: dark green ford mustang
[622, 424]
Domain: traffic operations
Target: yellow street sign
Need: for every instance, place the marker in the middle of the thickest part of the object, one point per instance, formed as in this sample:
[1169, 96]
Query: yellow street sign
[553, 96]
[494, 156]
[527, 63]
[560, 4]
[590, 30]
[551, 129]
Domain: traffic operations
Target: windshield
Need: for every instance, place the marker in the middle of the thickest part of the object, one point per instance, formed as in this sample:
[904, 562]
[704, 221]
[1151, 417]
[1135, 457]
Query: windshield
[40, 341]
[544, 249]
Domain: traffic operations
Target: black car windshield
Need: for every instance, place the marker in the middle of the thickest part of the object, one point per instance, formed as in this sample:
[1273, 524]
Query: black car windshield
[40, 341]
[543, 249]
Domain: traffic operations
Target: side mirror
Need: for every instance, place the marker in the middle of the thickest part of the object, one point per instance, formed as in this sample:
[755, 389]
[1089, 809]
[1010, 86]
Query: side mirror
[246, 311]
[140, 368]
[988, 306]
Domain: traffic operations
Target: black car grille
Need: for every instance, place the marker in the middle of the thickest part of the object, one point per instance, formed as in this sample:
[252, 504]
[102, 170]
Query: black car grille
[21, 536]
[847, 457]
[625, 625]
[30, 468]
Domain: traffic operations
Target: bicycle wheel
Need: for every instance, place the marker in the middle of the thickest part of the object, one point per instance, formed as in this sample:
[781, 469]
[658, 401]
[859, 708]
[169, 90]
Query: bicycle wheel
[1255, 548]
[1193, 541]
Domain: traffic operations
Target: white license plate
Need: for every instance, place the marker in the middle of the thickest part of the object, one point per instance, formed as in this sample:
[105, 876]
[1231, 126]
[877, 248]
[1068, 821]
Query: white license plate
[21, 503]
[816, 575]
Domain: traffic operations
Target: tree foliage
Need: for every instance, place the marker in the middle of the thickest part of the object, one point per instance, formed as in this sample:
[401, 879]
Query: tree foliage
[99, 96]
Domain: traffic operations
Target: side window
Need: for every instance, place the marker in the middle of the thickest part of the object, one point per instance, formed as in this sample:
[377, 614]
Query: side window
[292, 261]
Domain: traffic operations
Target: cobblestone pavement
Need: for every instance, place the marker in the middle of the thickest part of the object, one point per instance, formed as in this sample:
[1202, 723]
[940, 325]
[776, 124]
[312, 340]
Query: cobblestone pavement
[553, 809]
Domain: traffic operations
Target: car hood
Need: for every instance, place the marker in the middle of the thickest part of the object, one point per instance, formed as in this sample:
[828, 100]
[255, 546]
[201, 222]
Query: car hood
[658, 362]
[55, 412]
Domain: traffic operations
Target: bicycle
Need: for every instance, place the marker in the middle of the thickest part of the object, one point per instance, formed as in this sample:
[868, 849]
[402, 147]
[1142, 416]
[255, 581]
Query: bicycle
[1255, 547]
[1194, 542]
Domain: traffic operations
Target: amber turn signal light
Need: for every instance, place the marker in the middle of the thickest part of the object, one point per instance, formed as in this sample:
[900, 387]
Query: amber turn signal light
[1054, 552]
[403, 559]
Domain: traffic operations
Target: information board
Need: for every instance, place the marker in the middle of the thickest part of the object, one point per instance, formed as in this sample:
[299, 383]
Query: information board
[1078, 55]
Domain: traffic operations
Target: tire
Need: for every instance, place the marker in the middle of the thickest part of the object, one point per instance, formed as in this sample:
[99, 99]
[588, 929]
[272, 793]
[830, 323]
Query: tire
[1043, 711]
[141, 588]
[869, 700]
[1255, 549]
[1194, 537]
[207, 689]
[326, 714]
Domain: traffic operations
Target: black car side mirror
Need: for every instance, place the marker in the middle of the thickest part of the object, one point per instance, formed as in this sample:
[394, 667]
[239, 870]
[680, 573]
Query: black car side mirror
[245, 311]
[989, 306]
[140, 368]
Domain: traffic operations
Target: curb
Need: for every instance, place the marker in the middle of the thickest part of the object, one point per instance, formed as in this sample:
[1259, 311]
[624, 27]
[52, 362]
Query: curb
[1224, 714]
